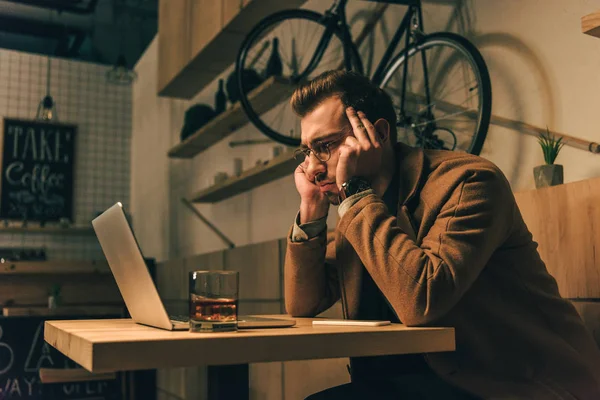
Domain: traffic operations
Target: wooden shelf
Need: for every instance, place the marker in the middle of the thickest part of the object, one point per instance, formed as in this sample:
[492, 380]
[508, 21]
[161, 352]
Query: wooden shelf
[54, 267]
[270, 93]
[254, 177]
[590, 24]
[56, 375]
[62, 310]
[199, 39]
[52, 230]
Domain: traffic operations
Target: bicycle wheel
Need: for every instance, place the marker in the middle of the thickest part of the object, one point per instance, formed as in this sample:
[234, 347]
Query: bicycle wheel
[457, 114]
[299, 34]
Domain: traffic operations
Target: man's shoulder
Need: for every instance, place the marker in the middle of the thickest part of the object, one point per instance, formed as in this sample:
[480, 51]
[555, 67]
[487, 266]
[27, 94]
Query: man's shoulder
[453, 164]
[447, 170]
[456, 159]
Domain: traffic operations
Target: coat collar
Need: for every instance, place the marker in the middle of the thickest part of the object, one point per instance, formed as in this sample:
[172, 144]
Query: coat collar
[410, 162]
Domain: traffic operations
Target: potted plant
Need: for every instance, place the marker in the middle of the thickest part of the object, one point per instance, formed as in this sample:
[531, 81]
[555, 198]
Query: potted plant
[549, 174]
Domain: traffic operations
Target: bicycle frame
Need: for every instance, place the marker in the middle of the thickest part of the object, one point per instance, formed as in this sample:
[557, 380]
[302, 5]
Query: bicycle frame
[336, 16]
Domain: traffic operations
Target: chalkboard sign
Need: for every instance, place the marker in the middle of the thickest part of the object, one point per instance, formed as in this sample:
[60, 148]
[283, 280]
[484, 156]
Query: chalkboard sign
[37, 170]
[23, 352]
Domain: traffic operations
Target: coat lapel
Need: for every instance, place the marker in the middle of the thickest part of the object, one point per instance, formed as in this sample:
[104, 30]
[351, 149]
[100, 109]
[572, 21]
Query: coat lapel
[411, 170]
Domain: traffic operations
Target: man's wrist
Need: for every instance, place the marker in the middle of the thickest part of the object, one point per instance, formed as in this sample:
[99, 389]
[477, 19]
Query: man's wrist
[352, 200]
[309, 230]
[312, 212]
[353, 186]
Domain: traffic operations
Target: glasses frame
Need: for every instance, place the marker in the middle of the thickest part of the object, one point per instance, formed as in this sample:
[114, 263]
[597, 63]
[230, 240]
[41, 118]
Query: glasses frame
[306, 152]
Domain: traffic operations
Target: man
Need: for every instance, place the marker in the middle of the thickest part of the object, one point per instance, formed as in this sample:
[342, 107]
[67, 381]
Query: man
[426, 238]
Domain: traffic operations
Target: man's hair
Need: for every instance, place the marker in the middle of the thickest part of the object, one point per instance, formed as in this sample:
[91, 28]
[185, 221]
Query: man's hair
[353, 89]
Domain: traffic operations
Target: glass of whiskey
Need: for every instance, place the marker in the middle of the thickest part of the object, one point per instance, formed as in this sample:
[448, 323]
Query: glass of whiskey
[213, 301]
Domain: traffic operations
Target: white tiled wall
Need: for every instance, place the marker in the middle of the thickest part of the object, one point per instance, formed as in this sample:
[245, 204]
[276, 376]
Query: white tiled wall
[102, 113]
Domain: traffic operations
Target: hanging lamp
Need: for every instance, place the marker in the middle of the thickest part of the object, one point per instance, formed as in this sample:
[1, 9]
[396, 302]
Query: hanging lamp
[120, 74]
[47, 108]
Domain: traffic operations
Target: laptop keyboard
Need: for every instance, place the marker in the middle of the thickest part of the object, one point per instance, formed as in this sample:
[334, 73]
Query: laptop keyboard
[179, 318]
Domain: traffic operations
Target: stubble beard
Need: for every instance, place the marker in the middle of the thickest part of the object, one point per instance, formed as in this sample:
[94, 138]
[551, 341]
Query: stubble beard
[333, 198]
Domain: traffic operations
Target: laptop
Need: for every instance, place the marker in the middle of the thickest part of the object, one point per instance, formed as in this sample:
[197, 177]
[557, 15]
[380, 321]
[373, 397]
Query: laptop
[141, 297]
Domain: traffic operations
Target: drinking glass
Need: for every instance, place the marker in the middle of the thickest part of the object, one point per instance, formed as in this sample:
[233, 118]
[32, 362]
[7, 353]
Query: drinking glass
[213, 301]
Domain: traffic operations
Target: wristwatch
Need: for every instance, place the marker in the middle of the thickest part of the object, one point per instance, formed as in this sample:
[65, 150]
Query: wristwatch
[353, 186]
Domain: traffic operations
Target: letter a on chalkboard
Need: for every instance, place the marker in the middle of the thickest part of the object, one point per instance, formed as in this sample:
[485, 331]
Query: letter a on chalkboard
[39, 352]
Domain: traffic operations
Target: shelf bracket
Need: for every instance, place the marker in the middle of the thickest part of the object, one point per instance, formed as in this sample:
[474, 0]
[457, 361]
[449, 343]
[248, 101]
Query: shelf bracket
[220, 234]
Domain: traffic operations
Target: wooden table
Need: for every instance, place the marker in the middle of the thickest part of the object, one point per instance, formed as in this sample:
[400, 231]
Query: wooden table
[120, 344]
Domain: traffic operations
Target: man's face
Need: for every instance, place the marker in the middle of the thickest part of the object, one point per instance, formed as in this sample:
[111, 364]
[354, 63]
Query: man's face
[325, 127]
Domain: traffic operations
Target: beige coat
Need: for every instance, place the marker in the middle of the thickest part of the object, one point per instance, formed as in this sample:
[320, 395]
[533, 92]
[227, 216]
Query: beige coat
[457, 254]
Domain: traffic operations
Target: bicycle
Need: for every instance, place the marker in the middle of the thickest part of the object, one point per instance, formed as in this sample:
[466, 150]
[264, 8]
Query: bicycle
[425, 118]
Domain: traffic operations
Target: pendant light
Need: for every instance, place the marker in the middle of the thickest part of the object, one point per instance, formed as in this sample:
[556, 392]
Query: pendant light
[47, 108]
[120, 74]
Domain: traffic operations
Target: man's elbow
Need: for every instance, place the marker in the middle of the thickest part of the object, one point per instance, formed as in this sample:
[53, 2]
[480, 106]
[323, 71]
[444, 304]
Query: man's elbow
[416, 321]
[298, 309]
[307, 308]
[421, 318]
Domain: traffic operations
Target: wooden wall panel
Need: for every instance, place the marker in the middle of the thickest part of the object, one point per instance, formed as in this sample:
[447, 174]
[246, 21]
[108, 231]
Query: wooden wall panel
[171, 383]
[259, 267]
[303, 378]
[169, 279]
[282, 252]
[565, 222]
[266, 381]
[204, 262]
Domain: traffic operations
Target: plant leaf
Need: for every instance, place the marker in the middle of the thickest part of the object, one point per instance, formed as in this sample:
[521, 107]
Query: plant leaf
[550, 145]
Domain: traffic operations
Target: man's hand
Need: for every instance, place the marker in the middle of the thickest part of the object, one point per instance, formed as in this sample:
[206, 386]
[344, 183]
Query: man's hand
[362, 154]
[313, 203]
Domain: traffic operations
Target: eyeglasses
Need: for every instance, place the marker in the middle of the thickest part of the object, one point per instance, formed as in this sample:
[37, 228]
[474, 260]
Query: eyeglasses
[321, 150]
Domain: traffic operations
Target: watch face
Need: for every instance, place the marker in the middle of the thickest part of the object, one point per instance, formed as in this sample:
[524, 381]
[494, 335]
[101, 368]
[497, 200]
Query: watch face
[355, 185]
